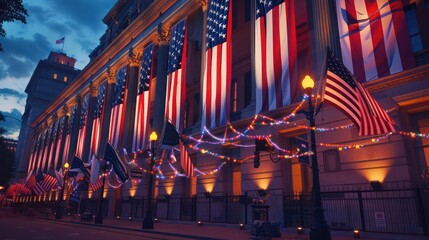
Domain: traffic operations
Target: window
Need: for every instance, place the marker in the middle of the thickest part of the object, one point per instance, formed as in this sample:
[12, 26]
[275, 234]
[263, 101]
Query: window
[413, 28]
[65, 78]
[55, 76]
[331, 160]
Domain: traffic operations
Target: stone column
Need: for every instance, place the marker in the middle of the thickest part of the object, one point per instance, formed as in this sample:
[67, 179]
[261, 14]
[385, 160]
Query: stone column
[323, 23]
[111, 80]
[92, 106]
[161, 81]
[66, 112]
[134, 59]
[74, 134]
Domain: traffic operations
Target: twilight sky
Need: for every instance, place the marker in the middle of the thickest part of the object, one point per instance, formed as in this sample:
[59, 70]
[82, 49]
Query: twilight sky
[79, 21]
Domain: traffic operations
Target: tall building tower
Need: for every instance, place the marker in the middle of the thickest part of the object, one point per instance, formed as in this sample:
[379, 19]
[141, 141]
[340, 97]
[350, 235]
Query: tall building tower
[50, 77]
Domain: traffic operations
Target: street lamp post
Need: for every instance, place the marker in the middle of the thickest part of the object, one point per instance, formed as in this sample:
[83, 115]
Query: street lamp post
[99, 216]
[59, 213]
[319, 227]
[148, 219]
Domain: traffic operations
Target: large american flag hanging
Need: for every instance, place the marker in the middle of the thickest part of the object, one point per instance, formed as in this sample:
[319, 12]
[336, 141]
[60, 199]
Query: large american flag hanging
[32, 155]
[373, 37]
[44, 149]
[68, 136]
[118, 107]
[186, 161]
[97, 122]
[217, 70]
[176, 75]
[143, 98]
[54, 129]
[60, 129]
[275, 54]
[82, 126]
[349, 96]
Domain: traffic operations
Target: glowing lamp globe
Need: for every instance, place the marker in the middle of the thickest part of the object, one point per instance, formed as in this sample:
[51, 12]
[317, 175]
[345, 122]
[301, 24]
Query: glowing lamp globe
[66, 165]
[308, 83]
[153, 136]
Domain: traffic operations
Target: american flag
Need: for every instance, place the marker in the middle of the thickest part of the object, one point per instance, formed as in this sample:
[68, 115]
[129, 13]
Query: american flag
[31, 181]
[82, 126]
[275, 54]
[97, 122]
[349, 96]
[32, 154]
[186, 161]
[374, 38]
[44, 185]
[217, 71]
[68, 136]
[176, 78]
[57, 162]
[142, 103]
[33, 158]
[95, 186]
[77, 189]
[118, 107]
[44, 149]
[54, 129]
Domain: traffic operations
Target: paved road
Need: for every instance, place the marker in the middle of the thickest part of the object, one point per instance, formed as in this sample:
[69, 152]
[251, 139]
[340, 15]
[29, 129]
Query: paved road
[28, 228]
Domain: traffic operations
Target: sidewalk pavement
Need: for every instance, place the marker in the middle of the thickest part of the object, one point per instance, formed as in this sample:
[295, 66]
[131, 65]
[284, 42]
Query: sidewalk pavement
[210, 231]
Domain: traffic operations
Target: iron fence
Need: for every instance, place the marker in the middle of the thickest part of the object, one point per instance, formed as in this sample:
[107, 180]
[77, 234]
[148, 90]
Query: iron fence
[392, 211]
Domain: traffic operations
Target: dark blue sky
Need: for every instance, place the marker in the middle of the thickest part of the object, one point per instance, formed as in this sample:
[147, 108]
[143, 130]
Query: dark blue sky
[79, 21]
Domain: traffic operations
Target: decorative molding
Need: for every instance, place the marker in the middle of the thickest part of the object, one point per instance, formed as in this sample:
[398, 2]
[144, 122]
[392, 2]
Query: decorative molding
[93, 89]
[78, 99]
[66, 110]
[111, 75]
[162, 34]
[134, 57]
[412, 75]
[203, 4]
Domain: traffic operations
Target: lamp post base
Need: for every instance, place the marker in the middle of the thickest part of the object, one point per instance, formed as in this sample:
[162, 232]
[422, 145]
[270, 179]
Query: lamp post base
[148, 223]
[59, 213]
[320, 234]
[98, 219]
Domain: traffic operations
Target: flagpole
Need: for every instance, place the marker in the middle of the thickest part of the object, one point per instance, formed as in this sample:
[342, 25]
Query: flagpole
[62, 48]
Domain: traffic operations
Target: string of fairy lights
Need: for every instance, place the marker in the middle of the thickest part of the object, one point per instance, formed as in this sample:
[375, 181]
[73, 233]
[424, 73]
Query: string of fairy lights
[235, 135]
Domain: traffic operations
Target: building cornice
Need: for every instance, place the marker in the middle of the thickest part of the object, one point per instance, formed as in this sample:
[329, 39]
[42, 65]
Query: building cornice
[401, 78]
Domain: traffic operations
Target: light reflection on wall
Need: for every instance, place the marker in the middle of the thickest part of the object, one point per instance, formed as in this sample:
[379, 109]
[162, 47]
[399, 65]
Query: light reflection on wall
[209, 186]
[378, 174]
[132, 191]
[263, 183]
[169, 189]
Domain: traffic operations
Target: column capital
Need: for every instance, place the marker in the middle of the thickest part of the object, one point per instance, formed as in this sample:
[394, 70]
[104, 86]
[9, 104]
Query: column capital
[66, 110]
[134, 57]
[162, 35]
[78, 99]
[111, 75]
[93, 89]
[203, 4]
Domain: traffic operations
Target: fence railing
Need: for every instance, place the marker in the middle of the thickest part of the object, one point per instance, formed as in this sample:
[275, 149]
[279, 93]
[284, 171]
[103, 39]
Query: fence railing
[393, 211]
